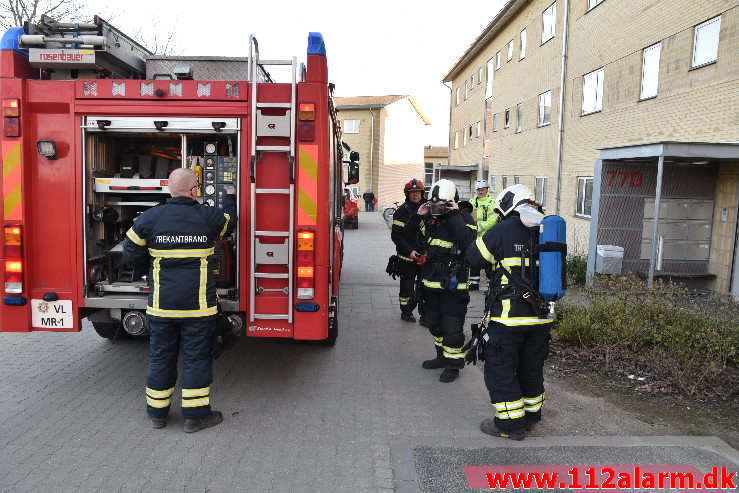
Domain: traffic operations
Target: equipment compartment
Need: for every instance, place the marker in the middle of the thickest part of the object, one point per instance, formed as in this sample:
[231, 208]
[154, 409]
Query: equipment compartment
[125, 174]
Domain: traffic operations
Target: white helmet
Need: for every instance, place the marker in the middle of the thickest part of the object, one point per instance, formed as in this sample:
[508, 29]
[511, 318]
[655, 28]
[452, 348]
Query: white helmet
[512, 197]
[481, 184]
[443, 190]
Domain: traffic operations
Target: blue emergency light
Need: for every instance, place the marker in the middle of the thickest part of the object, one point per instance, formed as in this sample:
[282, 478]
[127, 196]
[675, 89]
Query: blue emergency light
[14, 300]
[316, 46]
[9, 40]
[307, 306]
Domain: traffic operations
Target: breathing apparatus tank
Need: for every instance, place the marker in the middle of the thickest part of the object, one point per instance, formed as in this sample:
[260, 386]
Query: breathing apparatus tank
[552, 264]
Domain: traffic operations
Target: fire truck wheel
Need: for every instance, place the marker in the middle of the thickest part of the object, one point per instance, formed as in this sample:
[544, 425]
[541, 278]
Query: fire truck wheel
[107, 330]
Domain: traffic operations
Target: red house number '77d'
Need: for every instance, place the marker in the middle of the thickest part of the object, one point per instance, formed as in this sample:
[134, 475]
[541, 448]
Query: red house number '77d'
[633, 179]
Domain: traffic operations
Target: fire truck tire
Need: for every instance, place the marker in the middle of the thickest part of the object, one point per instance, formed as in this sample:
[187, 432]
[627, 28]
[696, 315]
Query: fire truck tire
[107, 330]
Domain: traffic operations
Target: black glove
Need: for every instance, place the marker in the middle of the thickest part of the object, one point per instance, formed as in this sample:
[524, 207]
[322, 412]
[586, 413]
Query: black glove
[474, 349]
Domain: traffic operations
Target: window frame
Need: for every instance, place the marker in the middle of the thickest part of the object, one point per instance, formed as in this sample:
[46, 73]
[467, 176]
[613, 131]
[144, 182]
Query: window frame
[456, 139]
[516, 179]
[540, 121]
[490, 67]
[497, 61]
[503, 182]
[509, 55]
[522, 44]
[541, 198]
[478, 130]
[351, 130]
[593, 3]
[519, 118]
[642, 95]
[492, 183]
[544, 16]
[581, 198]
[696, 31]
[495, 122]
[598, 101]
[480, 75]
[507, 118]
[426, 180]
[458, 94]
[464, 138]
[466, 89]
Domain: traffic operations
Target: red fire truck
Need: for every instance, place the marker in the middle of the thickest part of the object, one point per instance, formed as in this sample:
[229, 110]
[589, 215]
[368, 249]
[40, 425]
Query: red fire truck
[92, 125]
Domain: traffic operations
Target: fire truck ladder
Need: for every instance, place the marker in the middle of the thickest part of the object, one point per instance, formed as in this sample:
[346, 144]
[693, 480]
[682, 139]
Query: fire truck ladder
[272, 126]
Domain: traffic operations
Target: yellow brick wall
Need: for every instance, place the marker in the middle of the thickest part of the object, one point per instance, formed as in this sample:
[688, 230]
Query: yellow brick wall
[723, 235]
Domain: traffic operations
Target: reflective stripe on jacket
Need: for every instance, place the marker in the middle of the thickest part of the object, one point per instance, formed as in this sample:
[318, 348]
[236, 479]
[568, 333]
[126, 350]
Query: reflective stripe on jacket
[176, 241]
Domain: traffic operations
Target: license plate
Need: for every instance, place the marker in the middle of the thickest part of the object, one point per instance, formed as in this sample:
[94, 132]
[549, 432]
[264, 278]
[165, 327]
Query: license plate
[51, 314]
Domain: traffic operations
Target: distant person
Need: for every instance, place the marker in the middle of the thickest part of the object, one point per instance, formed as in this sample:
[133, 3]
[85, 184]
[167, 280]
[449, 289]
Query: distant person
[485, 218]
[369, 200]
[176, 241]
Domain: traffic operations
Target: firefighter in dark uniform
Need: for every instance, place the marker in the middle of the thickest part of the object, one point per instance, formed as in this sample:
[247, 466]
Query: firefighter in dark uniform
[518, 340]
[176, 240]
[449, 231]
[409, 249]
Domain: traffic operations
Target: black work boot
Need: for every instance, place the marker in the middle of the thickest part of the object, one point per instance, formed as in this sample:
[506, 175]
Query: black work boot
[433, 364]
[407, 317]
[197, 424]
[157, 423]
[488, 426]
[449, 375]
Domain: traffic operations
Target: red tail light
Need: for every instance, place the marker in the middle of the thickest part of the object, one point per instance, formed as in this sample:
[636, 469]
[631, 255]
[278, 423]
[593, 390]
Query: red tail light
[307, 112]
[13, 259]
[11, 117]
[306, 264]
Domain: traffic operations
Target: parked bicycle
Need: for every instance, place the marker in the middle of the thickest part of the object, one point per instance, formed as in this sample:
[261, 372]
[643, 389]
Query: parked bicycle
[387, 214]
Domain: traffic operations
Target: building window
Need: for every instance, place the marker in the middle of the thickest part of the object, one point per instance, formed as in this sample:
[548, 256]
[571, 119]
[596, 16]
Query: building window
[650, 71]
[548, 20]
[516, 180]
[510, 51]
[492, 183]
[592, 92]
[489, 85]
[593, 3]
[466, 90]
[540, 192]
[464, 137]
[519, 117]
[503, 183]
[584, 196]
[545, 108]
[497, 61]
[428, 175]
[507, 119]
[351, 126]
[470, 131]
[480, 74]
[495, 122]
[456, 140]
[705, 44]
[522, 46]
[479, 129]
[472, 81]
[458, 96]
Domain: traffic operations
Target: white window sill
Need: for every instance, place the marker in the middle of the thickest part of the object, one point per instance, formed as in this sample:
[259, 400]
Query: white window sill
[591, 112]
[582, 216]
[544, 124]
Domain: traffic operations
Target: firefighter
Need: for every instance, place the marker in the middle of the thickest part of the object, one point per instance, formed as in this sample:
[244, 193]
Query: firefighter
[409, 249]
[444, 275]
[176, 241]
[518, 339]
[485, 219]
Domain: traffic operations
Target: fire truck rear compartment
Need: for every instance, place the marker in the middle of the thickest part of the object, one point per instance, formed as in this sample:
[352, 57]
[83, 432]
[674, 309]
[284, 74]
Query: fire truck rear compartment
[126, 174]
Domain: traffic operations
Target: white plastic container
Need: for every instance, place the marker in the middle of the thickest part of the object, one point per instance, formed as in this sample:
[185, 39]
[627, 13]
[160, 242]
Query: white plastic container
[608, 259]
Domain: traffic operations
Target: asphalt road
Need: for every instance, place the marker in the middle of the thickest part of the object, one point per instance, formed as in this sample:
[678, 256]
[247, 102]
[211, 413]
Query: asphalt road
[361, 416]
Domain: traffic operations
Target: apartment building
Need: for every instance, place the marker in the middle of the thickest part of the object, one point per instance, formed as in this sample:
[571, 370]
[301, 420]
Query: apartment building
[389, 133]
[436, 159]
[606, 108]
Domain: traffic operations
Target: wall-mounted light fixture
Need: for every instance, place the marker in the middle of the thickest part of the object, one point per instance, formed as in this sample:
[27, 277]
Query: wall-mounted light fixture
[47, 148]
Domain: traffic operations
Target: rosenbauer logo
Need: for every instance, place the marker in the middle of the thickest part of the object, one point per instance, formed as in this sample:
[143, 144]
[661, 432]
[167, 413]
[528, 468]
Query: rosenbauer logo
[61, 57]
[602, 478]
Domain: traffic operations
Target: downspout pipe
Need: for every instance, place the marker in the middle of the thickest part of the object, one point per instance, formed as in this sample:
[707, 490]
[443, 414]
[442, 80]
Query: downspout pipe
[372, 149]
[560, 118]
[449, 145]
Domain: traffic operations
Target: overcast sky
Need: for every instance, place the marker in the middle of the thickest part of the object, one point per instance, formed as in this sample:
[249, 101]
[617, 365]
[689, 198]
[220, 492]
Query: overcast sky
[377, 47]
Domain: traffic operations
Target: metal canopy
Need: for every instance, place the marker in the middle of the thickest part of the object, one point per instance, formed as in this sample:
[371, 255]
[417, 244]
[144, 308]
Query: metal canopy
[697, 153]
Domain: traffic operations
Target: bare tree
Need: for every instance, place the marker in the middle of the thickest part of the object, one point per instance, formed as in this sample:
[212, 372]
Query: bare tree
[16, 12]
[159, 40]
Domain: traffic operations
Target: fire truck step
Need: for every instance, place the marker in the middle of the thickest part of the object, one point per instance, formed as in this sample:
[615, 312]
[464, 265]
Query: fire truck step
[270, 316]
[272, 275]
[272, 233]
[274, 105]
[273, 148]
[272, 190]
